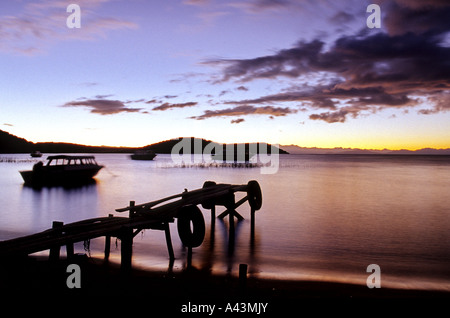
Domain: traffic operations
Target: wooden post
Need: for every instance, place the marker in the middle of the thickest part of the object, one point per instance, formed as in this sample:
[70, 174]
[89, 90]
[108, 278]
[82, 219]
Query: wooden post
[189, 257]
[126, 251]
[252, 222]
[169, 241]
[213, 217]
[131, 213]
[70, 250]
[54, 251]
[213, 224]
[242, 278]
[231, 221]
[108, 243]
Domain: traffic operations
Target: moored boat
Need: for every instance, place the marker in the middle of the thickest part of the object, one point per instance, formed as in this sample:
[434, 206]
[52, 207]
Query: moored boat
[143, 155]
[62, 170]
[36, 154]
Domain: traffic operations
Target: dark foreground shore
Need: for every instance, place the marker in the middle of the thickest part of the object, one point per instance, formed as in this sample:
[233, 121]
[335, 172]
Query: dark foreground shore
[106, 286]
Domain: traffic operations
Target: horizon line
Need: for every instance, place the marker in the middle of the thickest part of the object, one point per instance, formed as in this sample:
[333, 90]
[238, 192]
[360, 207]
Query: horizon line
[273, 144]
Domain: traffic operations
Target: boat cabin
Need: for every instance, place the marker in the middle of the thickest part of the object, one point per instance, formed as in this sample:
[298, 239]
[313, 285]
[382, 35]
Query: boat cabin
[63, 160]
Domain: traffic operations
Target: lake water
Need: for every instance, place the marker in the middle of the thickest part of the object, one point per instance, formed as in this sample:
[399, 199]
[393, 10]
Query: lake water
[323, 218]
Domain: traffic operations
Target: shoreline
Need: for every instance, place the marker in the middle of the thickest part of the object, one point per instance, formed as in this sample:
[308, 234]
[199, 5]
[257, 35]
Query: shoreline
[39, 280]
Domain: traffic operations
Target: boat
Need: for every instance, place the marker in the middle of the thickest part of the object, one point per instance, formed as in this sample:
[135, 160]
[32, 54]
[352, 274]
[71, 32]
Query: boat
[143, 155]
[62, 170]
[36, 154]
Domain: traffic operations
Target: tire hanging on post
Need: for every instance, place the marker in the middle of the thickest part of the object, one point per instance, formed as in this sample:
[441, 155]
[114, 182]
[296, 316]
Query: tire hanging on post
[254, 195]
[208, 204]
[186, 215]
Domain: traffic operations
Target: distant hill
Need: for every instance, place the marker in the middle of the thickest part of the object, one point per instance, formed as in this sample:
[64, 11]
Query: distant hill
[13, 144]
[293, 149]
[167, 145]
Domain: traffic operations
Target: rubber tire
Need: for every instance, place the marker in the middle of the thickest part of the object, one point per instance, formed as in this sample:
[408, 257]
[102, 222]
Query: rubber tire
[254, 195]
[208, 204]
[186, 215]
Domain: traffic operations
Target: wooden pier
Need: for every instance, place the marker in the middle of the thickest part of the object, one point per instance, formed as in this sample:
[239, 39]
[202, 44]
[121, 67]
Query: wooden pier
[155, 215]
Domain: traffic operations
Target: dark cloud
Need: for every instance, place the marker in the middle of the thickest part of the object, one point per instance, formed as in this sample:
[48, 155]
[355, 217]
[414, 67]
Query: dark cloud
[288, 63]
[368, 71]
[417, 16]
[237, 121]
[103, 106]
[246, 110]
[167, 106]
[242, 88]
[331, 117]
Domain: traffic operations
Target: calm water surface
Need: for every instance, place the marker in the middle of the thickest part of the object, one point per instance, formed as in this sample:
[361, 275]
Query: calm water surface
[323, 217]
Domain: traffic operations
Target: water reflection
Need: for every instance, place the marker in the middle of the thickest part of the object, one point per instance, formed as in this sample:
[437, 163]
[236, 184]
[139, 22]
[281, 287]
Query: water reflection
[225, 246]
[323, 217]
[59, 203]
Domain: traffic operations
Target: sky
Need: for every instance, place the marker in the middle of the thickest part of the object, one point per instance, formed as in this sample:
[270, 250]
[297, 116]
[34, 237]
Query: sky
[310, 73]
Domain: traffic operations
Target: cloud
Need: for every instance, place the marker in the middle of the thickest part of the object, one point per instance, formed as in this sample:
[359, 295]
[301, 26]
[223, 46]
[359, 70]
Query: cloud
[237, 121]
[167, 106]
[258, 6]
[42, 23]
[246, 110]
[441, 103]
[103, 106]
[367, 71]
[403, 16]
[331, 117]
[196, 2]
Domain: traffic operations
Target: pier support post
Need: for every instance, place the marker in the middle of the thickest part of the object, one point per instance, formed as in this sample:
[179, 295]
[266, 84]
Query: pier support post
[126, 250]
[169, 241]
[213, 218]
[189, 257]
[70, 250]
[252, 222]
[132, 211]
[108, 243]
[55, 250]
[242, 278]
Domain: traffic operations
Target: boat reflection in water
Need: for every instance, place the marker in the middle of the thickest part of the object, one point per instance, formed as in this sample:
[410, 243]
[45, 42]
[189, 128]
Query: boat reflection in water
[62, 170]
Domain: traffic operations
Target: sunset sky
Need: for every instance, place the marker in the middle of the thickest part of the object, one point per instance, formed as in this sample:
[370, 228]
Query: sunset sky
[310, 73]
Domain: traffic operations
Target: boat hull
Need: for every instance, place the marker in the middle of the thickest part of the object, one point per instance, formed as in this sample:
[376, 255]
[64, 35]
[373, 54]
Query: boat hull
[60, 176]
[143, 156]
